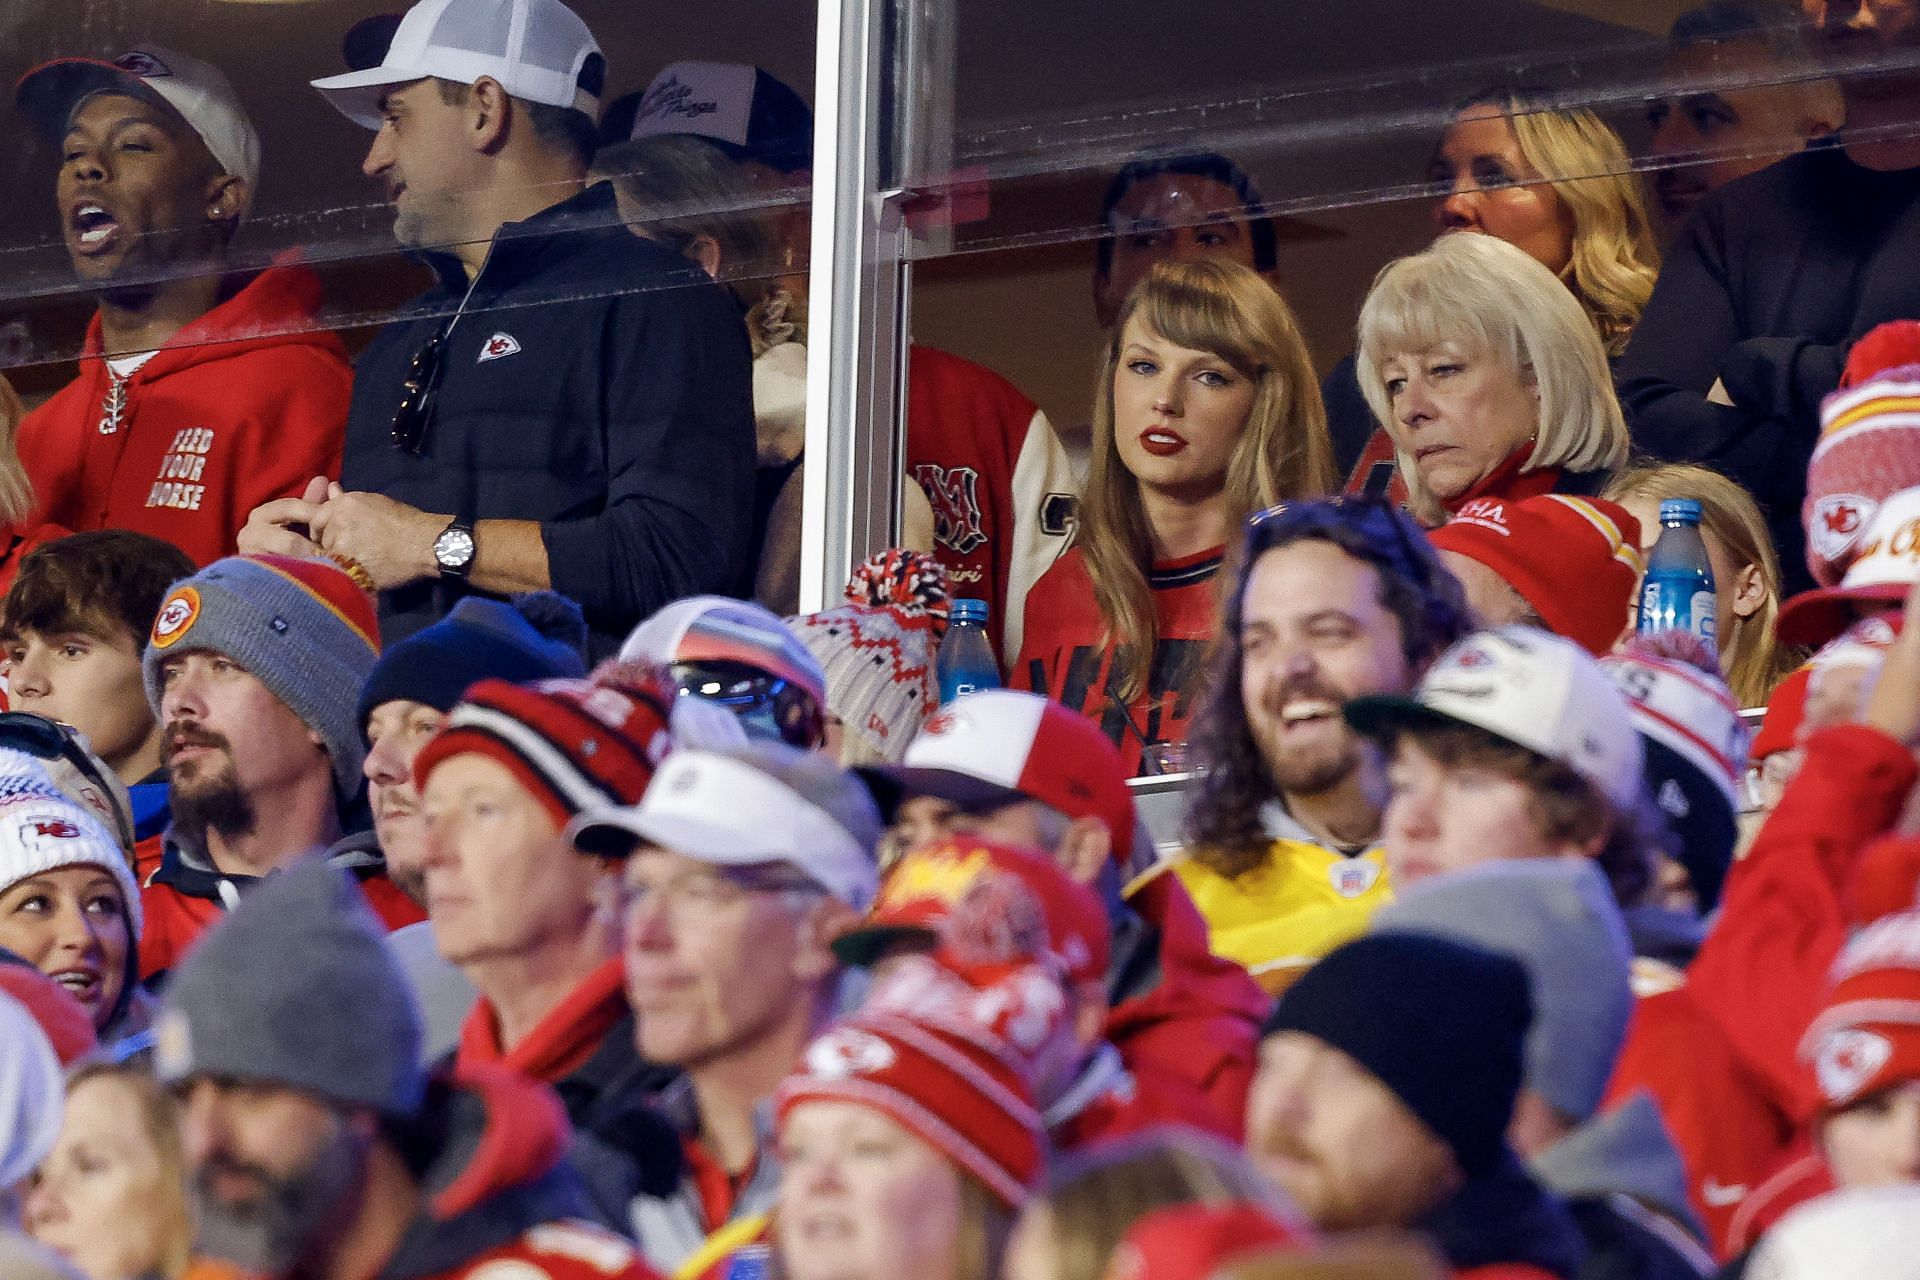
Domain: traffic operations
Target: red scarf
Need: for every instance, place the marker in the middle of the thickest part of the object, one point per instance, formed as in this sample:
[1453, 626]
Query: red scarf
[563, 1040]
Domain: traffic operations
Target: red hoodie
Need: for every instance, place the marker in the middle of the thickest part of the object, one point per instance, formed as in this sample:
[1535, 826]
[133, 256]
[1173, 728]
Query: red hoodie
[496, 1200]
[244, 405]
[1723, 1061]
[1198, 1020]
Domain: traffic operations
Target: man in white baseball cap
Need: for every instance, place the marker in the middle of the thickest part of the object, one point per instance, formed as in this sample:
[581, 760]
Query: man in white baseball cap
[740, 869]
[1516, 744]
[201, 393]
[569, 407]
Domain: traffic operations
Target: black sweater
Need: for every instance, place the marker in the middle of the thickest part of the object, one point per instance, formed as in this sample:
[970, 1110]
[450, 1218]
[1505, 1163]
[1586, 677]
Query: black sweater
[597, 383]
[1771, 281]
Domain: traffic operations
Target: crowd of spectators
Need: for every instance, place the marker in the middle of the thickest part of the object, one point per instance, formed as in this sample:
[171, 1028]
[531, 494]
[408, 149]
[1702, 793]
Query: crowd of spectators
[432, 846]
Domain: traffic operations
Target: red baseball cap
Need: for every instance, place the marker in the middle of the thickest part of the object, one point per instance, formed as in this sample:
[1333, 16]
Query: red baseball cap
[982, 905]
[1785, 709]
[1007, 744]
[1575, 560]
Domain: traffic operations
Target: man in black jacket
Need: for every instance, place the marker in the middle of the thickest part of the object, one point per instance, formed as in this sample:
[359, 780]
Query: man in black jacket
[1777, 274]
[569, 406]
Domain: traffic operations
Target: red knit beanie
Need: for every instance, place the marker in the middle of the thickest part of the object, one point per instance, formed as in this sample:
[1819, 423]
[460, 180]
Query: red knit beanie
[573, 744]
[1868, 1036]
[960, 1094]
[64, 1019]
[1575, 560]
[1869, 448]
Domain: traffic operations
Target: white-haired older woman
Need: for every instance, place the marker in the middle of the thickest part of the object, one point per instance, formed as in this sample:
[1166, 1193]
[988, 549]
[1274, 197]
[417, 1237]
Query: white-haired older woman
[1489, 377]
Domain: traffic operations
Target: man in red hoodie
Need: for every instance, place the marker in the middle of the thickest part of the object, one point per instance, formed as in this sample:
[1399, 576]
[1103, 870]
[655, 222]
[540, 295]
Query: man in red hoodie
[201, 394]
[316, 1144]
[1014, 767]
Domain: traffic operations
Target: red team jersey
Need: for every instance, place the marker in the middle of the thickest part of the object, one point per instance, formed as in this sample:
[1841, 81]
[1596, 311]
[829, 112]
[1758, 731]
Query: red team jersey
[1067, 656]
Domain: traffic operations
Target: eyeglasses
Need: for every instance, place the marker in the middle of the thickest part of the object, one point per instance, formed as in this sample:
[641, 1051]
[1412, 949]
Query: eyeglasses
[415, 413]
[694, 899]
[1374, 522]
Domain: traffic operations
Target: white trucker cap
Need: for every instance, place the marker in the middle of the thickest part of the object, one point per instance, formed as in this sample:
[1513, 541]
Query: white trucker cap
[539, 51]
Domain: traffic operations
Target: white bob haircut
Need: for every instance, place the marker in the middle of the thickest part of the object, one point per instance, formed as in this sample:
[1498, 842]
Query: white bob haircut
[1492, 300]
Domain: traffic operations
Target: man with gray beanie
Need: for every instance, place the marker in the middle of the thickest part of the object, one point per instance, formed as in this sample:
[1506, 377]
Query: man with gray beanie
[315, 1143]
[253, 669]
[1387, 1081]
[1619, 1171]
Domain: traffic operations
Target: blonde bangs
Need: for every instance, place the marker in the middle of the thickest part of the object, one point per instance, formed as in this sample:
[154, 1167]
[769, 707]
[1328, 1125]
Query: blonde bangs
[1196, 312]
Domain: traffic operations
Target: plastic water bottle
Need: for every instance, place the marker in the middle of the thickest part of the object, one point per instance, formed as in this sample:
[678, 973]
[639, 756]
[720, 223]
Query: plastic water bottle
[1677, 593]
[966, 655]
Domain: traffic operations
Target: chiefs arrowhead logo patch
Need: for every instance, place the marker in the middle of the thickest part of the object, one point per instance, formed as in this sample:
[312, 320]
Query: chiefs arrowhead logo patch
[1847, 1059]
[848, 1052]
[498, 347]
[1838, 521]
[138, 62]
[175, 616]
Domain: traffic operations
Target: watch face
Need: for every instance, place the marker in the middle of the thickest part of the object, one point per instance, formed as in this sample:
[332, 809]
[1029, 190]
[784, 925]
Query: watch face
[453, 549]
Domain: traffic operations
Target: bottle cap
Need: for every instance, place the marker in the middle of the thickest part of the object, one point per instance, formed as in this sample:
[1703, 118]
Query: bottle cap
[1679, 511]
[969, 611]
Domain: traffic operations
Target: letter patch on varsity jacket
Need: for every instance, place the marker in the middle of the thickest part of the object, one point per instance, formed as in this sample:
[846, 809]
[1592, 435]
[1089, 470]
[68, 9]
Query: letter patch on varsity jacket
[954, 495]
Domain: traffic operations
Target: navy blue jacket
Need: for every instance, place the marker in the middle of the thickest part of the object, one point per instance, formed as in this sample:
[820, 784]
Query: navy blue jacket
[596, 383]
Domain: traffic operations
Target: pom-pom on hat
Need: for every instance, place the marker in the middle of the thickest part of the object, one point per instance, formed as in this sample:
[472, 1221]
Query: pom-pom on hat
[877, 650]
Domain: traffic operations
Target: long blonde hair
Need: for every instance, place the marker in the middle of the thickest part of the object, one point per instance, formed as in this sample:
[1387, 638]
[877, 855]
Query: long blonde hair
[1615, 255]
[1498, 303]
[160, 1120]
[16, 489]
[1093, 1200]
[1283, 452]
[1751, 659]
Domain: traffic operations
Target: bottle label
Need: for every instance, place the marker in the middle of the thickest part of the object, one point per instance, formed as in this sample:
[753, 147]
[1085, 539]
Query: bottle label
[1702, 621]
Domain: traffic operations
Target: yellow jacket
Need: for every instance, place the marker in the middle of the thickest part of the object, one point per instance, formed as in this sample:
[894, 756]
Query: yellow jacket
[1279, 918]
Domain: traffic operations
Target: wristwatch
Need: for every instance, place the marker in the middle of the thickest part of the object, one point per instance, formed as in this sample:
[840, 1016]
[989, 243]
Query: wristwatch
[453, 549]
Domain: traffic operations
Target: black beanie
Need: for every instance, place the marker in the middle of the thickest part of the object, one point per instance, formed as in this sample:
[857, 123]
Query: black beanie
[1441, 1024]
[536, 636]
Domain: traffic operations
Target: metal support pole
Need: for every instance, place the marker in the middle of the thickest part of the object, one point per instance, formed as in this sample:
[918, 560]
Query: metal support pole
[858, 284]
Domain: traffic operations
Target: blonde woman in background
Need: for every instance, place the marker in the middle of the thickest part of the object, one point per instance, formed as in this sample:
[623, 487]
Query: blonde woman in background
[1488, 377]
[1206, 411]
[111, 1197]
[1558, 185]
[17, 500]
[1071, 1230]
[1746, 572]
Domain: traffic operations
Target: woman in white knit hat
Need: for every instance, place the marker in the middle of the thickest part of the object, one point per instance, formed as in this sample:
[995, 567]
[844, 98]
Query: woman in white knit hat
[69, 905]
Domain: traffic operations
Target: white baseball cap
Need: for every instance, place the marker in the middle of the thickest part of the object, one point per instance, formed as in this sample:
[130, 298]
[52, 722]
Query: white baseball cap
[1886, 567]
[723, 629]
[203, 96]
[1531, 688]
[726, 810]
[539, 51]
